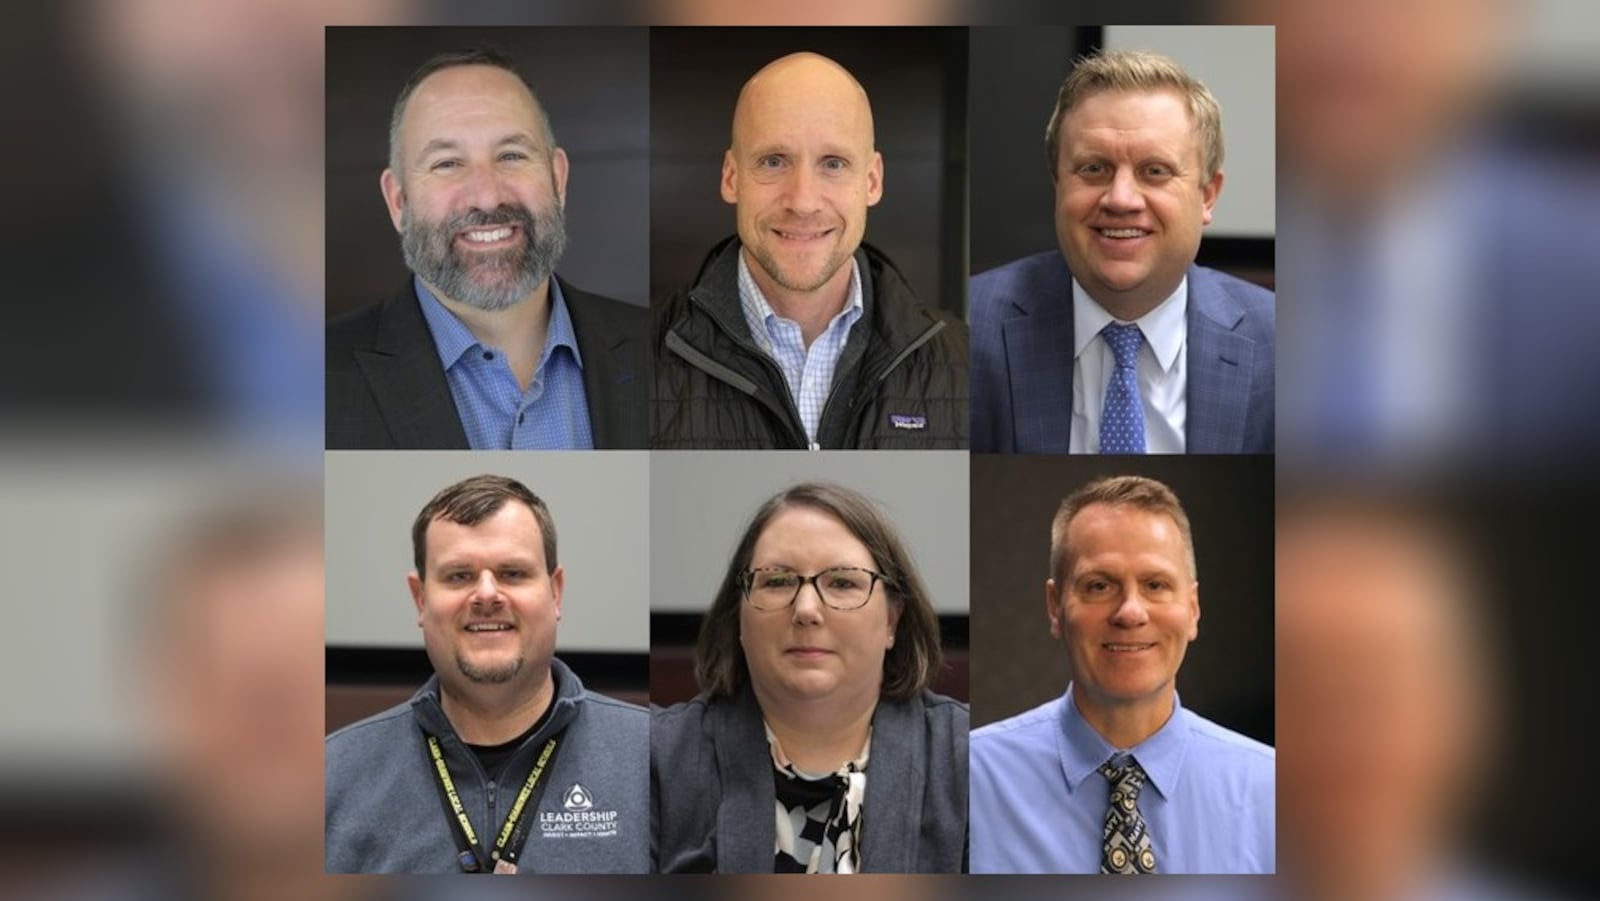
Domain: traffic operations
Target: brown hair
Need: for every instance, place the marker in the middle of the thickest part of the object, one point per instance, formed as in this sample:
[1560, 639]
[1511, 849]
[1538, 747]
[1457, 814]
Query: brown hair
[1138, 492]
[908, 666]
[1139, 70]
[471, 501]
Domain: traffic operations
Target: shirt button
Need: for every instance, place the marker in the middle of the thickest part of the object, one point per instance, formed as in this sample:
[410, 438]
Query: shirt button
[488, 355]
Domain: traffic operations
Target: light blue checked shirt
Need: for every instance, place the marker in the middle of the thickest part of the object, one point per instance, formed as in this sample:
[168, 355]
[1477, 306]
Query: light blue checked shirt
[809, 373]
[1038, 803]
[553, 414]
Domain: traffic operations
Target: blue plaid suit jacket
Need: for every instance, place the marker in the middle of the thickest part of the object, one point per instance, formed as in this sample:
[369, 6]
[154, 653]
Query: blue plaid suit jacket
[1021, 318]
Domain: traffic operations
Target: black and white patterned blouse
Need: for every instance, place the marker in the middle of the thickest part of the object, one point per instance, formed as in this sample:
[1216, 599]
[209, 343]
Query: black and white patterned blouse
[819, 815]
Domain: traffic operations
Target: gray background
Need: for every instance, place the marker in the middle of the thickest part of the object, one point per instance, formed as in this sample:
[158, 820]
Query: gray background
[596, 498]
[700, 502]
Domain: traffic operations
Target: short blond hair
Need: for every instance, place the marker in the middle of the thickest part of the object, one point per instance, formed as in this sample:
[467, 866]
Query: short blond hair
[1139, 70]
[1138, 492]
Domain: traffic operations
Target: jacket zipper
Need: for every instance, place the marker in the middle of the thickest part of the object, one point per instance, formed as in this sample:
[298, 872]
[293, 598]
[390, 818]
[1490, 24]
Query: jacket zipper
[699, 360]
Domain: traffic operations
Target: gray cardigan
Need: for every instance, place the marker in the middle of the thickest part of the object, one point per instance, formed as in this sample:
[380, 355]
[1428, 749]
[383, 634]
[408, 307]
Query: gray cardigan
[712, 797]
[383, 813]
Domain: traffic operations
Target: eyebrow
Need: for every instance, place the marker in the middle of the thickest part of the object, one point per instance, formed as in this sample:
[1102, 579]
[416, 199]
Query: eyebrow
[518, 139]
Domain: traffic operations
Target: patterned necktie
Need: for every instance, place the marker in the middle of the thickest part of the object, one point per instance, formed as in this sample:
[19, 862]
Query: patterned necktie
[1126, 843]
[1122, 417]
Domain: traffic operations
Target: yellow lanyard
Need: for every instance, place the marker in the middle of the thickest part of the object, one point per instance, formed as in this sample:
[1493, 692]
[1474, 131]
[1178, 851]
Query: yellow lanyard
[506, 851]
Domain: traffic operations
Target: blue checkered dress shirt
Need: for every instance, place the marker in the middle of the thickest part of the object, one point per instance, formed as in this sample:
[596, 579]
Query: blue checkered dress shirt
[553, 414]
[808, 372]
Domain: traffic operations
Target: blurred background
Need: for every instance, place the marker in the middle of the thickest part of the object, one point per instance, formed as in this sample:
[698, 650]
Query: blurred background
[1436, 223]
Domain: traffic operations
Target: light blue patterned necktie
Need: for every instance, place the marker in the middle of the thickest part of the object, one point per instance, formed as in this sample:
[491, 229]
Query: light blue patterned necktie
[1122, 416]
[1126, 847]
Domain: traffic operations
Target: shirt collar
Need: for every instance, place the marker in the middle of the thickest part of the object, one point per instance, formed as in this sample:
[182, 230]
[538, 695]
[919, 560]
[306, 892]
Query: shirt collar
[760, 316]
[1163, 327]
[452, 338]
[1161, 755]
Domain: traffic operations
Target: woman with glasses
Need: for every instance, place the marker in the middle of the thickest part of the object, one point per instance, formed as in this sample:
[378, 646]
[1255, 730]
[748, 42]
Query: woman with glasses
[815, 745]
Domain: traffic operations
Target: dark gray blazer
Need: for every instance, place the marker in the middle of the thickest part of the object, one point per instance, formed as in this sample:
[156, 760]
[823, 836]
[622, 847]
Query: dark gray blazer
[712, 798]
[386, 389]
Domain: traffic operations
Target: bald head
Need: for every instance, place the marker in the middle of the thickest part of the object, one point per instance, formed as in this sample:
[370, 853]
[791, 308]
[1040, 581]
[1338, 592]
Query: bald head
[803, 85]
[801, 169]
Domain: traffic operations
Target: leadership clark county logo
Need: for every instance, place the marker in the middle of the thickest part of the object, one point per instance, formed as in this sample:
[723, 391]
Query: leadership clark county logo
[577, 798]
[578, 817]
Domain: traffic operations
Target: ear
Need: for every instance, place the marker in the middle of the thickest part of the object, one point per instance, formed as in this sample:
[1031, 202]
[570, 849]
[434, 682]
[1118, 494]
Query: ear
[875, 179]
[894, 621]
[558, 166]
[1194, 604]
[1052, 607]
[1208, 196]
[394, 196]
[730, 177]
[414, 582]
[558, 585]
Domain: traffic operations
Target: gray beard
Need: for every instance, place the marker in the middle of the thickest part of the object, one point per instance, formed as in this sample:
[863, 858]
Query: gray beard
[497, 675]
[488, 282]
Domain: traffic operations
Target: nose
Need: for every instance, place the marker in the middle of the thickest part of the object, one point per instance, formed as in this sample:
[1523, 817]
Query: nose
[483, 188]
[486, 589]
[1123, 194]
[1132, 610]
[804, 194]
[808, 604]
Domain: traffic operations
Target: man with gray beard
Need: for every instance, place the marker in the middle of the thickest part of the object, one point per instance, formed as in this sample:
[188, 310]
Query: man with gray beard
[502, 761]
[486, 348]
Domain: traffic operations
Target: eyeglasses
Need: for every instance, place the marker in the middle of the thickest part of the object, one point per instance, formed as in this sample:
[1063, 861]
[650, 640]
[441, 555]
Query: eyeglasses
[842, 588]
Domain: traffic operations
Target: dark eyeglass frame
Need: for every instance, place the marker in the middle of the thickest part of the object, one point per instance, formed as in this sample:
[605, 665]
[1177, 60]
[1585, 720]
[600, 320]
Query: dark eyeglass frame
[748, 582]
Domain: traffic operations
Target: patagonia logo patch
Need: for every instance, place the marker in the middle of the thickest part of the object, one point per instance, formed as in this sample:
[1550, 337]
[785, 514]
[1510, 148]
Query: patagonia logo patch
[914, 423]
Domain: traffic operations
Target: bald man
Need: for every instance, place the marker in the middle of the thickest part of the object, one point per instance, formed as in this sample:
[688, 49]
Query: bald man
[796, 334]
[484, 347]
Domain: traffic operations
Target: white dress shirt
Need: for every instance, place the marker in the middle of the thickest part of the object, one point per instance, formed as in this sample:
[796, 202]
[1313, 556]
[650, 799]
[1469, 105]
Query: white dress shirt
[1163, 371]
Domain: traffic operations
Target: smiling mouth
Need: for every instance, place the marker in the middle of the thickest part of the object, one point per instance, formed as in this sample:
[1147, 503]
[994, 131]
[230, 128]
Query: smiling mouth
[489, 627]
[802, 236]
[1122, 234]
[1127, 647]
[493, 235]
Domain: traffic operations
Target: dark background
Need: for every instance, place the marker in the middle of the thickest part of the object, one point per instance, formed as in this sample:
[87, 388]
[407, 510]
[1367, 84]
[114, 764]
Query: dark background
[1227, 675]
[594, 84]
[915, 79]
[1015, 75]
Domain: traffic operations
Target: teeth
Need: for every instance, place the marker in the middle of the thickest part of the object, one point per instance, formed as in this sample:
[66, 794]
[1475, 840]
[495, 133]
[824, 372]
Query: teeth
[493, 234]
[1122, 232]
[488, 627]
[1127, 647]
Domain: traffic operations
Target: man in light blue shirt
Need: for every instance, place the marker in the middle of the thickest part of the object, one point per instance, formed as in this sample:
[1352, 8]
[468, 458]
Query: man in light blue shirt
[1115, 775]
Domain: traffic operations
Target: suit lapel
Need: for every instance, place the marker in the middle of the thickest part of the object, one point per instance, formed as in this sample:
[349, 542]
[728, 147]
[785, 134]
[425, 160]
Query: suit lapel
[1038, 343]
[746, 817]
[897, 776]
[403, 372]
[1220, 363]
[610, 385]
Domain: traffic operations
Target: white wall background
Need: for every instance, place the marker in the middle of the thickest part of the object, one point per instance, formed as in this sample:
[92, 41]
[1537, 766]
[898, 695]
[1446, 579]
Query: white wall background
[597, 499]
[1237, 62]
[700, 503]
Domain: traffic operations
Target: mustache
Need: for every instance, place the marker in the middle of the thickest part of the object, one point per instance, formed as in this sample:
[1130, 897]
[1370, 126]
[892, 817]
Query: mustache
[504, 214]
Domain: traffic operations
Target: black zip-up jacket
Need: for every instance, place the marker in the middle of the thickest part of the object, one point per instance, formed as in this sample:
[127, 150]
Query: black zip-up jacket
[901, 382]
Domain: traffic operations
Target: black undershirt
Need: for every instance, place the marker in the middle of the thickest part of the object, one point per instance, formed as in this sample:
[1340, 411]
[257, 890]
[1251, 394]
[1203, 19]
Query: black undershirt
[493, 758]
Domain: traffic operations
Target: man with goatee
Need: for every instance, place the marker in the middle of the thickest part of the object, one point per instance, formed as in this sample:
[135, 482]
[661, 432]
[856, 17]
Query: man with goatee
[486, 348]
